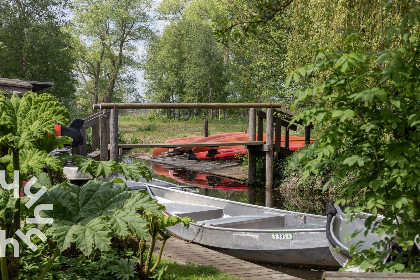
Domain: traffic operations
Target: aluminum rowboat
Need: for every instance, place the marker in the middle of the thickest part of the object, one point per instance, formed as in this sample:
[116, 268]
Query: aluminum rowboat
[248, 231]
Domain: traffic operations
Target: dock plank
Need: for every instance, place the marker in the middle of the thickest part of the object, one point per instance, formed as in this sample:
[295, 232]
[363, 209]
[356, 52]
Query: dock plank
[191, 145]
[229, 169]
[329, 275]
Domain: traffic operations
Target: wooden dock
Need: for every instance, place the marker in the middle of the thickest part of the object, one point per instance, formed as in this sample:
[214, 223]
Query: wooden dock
[183, 252]
[104, 126]
[192, 145]
[230, 169]
[335, 275]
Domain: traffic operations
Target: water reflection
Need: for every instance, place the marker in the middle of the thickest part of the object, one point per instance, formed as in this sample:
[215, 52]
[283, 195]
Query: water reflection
[198, 179]
[208, 184]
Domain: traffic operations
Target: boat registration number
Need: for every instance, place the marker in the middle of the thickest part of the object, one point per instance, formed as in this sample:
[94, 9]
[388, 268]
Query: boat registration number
[282, 236]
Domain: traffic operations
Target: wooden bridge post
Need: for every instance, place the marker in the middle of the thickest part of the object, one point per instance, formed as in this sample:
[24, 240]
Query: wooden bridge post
[307, 135]
[277, 134]
[286, 136]
[75, 150]
[252, 157]
[83, 146]
[269, 159]
[103, 127]
[95, 137]
[206, 128]
[260, 125]
[113, 134]
[252, 125]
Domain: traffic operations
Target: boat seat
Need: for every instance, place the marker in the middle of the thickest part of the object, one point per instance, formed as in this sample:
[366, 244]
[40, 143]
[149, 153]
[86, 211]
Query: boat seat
[255, 221]
[301, 226]
[195, 212]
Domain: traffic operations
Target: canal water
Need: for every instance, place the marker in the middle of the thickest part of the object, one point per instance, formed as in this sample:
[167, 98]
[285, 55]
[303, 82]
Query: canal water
[216, 186]
[207, 184]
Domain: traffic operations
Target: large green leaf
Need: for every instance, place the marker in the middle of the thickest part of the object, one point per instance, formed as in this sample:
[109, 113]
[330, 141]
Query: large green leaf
[27, 126]
[90, 216]
[33, 161]
[105, 168]
[26, 122]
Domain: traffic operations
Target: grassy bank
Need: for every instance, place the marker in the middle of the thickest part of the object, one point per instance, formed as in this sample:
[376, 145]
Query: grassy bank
[192, 271]
[149, 128]
[137, 128]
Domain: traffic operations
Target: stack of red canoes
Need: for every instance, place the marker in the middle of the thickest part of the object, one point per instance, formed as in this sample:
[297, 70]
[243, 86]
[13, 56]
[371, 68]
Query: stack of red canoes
[224, 152]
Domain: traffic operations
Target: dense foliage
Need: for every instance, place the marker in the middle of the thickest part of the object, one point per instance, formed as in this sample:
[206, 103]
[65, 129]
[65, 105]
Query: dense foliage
[88, 220]
[326, 23]
[34, 45]
[366, 108]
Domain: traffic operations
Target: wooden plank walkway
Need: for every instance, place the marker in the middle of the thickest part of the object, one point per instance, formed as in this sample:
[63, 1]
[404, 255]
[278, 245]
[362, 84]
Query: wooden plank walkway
[332, 275]
[182, 251]
[191, 145]
[229, 169]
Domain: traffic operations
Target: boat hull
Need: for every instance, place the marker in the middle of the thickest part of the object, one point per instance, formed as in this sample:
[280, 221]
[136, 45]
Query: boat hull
[295, 142]
[339, 230]
[260, 247]
[250, 232]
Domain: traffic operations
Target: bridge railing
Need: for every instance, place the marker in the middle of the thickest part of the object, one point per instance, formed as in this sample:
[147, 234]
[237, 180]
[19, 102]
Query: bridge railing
[275, 119]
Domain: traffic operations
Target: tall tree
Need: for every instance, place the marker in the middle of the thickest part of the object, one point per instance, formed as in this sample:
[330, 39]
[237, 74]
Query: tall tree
[107, 52]
[185, 63]
[162, 67]
[257, 63]
[325, 23]
[35, 46]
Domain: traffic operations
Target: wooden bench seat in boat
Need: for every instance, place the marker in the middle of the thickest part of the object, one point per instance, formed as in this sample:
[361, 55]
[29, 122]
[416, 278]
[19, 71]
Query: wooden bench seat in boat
[255, 221]
[195, 212]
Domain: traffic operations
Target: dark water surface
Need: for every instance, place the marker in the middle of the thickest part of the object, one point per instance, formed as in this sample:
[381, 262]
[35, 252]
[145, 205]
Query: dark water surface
[220, 187]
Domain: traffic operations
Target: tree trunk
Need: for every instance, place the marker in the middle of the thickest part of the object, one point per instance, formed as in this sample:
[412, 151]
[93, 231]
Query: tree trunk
[110, 89]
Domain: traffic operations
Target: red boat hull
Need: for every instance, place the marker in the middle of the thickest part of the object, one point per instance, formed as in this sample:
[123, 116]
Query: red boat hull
[226, 152]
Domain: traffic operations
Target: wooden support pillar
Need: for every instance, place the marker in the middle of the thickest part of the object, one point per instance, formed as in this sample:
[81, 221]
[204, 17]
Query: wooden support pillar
[103, 127]
[307, 135]
[95, 137]
[206, 128]
[83, 147]
[260, 125]
[252, 158]
[75, 150]
[269, 159]
[277, 134]
[252, 125]
[113, 134]
[286, 137]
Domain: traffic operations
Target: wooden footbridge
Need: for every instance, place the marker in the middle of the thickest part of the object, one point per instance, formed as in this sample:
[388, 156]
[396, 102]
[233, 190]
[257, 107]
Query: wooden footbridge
[105, 144]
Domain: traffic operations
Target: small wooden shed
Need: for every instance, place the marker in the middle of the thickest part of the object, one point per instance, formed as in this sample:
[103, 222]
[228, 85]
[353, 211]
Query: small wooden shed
[19, 87]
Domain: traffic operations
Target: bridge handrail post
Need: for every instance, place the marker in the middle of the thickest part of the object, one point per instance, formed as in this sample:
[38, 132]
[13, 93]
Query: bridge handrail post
[269, 158]
[252, 157]
[103, 129]
[113, 134]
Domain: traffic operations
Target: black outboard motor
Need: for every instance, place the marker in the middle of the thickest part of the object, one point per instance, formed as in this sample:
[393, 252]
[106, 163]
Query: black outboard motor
[191, 155]
[212, 153]
[73, 131]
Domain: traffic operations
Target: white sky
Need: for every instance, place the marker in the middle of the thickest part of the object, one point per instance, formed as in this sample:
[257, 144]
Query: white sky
[141, 49]
[158, 25]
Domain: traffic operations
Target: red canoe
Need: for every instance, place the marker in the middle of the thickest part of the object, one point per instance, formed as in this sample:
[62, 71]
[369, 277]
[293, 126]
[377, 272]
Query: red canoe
[225, 152]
